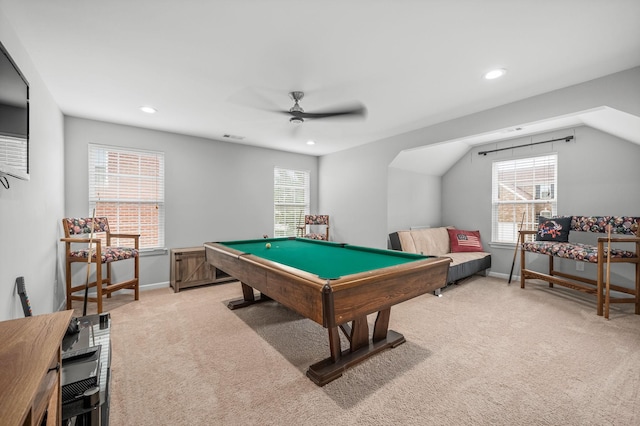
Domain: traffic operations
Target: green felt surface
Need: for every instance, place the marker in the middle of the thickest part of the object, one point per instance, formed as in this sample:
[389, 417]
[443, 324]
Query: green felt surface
[328, 260]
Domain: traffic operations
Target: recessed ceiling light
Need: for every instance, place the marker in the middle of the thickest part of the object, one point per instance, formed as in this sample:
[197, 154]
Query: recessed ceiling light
[311, 143]
[493, 74]
[148, 109]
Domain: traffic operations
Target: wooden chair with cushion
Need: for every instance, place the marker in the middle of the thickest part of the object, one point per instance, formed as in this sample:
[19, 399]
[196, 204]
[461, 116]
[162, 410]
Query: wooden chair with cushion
[79, 247]
[313, 221]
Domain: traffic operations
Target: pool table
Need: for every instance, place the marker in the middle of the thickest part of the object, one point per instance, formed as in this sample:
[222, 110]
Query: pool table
[334, 284]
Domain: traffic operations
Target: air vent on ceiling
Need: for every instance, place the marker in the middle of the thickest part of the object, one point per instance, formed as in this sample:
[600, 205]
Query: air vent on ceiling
[512, 129]
[229, 136]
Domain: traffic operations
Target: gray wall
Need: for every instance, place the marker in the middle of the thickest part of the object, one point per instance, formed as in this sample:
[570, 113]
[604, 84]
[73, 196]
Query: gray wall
[353, 183]
[598, 174]
[30, 210]
[214, 190]
[413, 200]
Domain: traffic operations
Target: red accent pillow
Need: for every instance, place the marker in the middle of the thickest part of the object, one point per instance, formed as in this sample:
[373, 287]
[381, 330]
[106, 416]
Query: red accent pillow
[464, 241]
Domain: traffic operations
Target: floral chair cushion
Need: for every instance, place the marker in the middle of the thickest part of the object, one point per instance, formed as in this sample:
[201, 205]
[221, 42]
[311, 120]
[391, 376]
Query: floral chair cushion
[316, 219]
[80, 226]
[109, 254]
[574, 251]
[316, 236]
[623, 225]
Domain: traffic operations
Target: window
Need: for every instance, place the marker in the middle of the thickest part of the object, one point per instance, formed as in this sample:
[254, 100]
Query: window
[523, 188]
[291, 200]
[127, 186]
[14, 156]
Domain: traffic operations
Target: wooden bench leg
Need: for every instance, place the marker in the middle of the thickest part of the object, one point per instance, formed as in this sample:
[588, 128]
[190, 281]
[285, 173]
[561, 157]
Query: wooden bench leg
[638, 282]
[522, 257]
[600, 280]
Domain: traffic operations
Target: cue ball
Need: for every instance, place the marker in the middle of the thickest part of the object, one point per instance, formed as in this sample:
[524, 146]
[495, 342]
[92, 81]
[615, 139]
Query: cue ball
[268, 245]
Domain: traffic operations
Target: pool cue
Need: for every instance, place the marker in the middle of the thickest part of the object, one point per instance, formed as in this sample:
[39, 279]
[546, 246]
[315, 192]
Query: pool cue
[607, 297]
[515, 252]
[86, 285]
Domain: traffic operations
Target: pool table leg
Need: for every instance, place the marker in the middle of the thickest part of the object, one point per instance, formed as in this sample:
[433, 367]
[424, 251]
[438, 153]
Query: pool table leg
[248, 298]
[361, 347]
[359, 336]
[334, 344]
[381, 325]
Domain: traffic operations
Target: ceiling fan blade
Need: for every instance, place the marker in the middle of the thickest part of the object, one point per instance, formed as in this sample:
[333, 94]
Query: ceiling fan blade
[359, 111]
[355, 111]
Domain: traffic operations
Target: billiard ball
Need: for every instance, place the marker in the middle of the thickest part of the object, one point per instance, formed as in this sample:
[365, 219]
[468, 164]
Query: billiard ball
[268, 245]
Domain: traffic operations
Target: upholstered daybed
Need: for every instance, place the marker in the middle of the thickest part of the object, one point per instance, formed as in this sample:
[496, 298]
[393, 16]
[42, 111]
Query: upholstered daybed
[466, 253]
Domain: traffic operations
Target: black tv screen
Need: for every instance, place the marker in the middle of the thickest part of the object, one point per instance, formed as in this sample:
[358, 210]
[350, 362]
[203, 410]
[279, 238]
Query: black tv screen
[14, 119]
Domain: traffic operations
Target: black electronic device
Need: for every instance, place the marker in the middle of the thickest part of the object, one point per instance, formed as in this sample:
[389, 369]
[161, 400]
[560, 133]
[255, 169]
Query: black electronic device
[80, 372]
[86, 372]
[14, 119]
[73, 327]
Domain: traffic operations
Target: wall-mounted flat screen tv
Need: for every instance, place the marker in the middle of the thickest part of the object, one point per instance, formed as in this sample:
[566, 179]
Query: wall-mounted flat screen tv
[14, 119]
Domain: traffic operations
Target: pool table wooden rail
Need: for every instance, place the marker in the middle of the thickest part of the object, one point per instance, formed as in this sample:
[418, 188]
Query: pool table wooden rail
[298, 290]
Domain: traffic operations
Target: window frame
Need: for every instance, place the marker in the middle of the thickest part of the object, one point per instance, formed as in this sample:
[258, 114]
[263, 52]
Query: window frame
[150, 179]
[505, 231]
[298, 209]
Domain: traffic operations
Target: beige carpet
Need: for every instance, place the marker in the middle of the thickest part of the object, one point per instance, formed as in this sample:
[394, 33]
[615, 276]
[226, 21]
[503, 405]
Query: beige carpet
[484, 353]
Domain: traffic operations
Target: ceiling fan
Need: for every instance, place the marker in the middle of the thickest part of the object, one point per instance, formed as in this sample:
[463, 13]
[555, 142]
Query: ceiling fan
[298, 115]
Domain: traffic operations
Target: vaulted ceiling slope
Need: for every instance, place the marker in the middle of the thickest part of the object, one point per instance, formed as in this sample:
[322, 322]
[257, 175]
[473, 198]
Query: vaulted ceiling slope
[436, 159]
[225, 67]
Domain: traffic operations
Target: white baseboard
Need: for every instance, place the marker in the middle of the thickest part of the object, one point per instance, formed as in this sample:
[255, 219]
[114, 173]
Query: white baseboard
[514, 278]
[153, 286]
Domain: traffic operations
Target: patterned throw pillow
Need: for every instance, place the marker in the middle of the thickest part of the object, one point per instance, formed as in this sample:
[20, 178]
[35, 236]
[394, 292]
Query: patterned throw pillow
[553, 229]
[464, 241]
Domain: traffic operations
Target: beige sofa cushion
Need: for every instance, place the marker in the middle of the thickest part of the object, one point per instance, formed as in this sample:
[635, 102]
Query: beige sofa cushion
[406, 241]
[458, 258]
[427, 241]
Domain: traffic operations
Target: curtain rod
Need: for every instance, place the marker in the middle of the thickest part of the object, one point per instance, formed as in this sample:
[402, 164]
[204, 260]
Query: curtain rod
[566, 139]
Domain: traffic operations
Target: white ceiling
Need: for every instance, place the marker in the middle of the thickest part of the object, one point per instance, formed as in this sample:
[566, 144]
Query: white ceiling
[217, 67]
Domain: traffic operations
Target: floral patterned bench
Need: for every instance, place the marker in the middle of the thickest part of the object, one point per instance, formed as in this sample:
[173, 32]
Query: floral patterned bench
[552, 240]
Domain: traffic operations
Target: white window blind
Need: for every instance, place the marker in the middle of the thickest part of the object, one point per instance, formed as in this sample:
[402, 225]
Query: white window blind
[14, 156]
[127, 187]
[291, 200]
[525, 186]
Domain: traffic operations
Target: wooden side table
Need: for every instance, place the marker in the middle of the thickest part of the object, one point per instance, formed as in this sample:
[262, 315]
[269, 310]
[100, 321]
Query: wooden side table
[189, 268]
[30, 375]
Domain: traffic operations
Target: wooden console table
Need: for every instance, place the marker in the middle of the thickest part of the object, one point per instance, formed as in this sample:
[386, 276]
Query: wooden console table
[30, 373]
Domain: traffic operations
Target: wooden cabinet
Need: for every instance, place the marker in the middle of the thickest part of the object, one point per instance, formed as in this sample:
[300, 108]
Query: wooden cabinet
[189, 268]
[30, 374]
